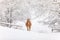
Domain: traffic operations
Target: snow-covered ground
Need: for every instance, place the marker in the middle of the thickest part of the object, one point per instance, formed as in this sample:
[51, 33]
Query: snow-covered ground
[39, 27]
[15, 34]
[36, 27]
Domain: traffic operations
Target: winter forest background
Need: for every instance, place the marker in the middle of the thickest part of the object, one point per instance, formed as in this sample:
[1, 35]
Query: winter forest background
[44, 14]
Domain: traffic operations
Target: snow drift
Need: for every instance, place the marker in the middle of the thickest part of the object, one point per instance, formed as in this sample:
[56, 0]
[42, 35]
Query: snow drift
[16, 34]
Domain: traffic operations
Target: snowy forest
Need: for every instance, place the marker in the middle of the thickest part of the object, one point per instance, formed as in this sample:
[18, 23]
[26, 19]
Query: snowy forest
[44, 14]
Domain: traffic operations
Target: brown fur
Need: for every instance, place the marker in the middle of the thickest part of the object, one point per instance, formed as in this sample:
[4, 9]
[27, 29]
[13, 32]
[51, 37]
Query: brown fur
[28, 25]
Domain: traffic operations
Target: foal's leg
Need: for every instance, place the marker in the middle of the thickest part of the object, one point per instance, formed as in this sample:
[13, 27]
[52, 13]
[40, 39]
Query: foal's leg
[29, 28]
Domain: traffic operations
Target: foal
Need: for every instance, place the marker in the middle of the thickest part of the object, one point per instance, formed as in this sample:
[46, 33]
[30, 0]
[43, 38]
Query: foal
[28, 25]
